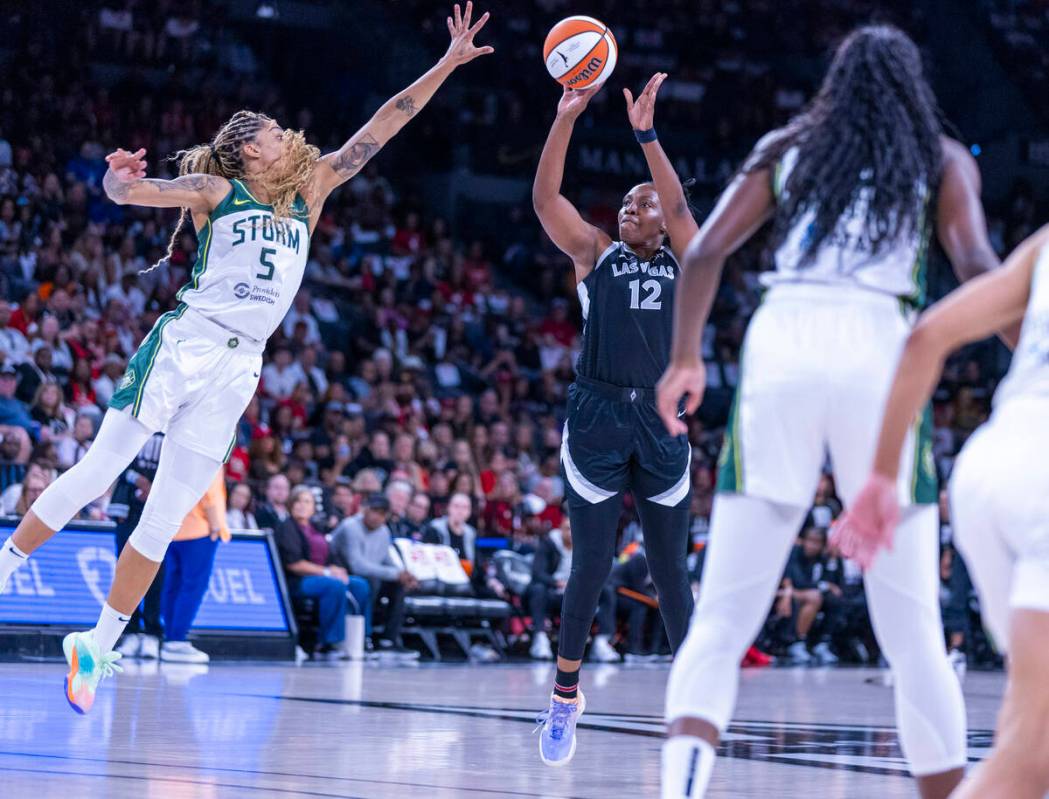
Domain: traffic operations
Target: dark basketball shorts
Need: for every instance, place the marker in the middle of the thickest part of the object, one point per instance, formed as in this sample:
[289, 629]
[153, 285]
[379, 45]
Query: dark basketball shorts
[614, 441]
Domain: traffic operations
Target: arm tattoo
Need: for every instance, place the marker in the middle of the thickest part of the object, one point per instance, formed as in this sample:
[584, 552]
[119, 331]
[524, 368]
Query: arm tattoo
[115, 188]
[407, 105]
[350, 160]
[191, 182]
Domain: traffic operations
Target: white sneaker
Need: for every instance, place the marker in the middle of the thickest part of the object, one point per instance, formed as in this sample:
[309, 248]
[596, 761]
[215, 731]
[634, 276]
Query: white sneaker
[131, 646]
[798, 654]
[603, 652]
[823, 654]
[150, 647]
[182, 652]
[541, 647]
[959, 663]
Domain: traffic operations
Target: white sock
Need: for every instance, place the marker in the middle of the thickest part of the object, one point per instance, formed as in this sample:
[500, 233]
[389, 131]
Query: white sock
[687, 764]
[110, 627]
[11, 557]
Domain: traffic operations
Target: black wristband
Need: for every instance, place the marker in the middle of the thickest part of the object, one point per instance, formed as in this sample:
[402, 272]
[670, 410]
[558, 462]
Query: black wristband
[645, 136]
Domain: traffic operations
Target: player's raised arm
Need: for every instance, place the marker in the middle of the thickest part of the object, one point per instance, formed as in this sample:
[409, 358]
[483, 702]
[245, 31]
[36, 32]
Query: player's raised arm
[336, 168]
[125, 183]
[576, 238]
[988, 303]
[743, 208]
[681, 225]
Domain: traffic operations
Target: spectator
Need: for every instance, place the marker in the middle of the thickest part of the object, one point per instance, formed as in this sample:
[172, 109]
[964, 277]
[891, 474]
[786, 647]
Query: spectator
[33, 372]
[71, 449]
[14, 456]
[13, 412]
[304, 554]
[13, 344]
[50, 411]
[550, 570]
[956, 590]
[280, 377]
[803, 580]
[187, 571]
[452, 530]
[273, 511]
[399, 494]
[362, 545]
[238, 514]
[32, 487]
[417, 518]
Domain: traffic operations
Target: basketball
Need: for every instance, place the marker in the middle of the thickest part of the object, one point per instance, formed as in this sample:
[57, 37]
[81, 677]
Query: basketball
[580, 52]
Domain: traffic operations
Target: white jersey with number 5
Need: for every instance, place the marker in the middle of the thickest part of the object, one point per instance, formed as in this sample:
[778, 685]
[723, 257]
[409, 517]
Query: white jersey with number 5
[249, 265]
[899, 269]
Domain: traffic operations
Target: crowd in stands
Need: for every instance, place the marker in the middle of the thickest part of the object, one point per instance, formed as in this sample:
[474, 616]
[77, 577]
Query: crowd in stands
[413, 382]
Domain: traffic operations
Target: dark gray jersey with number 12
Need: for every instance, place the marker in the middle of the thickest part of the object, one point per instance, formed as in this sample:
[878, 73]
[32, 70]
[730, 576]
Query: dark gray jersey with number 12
[627, 308]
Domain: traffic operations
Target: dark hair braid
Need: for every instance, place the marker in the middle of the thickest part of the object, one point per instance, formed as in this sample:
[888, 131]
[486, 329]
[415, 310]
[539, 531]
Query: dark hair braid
[875, 125]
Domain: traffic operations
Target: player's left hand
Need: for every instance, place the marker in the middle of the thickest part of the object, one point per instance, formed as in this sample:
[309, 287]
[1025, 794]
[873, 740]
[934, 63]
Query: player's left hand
[870, 524]
[462, 49]
[642, 112]
[680, 380]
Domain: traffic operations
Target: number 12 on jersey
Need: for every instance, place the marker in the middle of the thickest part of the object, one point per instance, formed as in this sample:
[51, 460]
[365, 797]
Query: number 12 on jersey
[651, 302]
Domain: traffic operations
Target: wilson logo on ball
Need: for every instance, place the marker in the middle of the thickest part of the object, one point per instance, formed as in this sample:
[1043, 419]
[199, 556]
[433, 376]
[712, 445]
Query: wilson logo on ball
[580, 52]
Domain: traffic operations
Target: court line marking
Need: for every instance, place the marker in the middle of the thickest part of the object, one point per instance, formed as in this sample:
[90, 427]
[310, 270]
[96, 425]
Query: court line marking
[728, 749]
[205, 783]
[266, 773]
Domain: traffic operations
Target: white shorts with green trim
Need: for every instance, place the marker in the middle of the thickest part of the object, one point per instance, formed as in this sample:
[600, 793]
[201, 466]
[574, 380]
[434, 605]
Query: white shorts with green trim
[191, 379]
[816, 368]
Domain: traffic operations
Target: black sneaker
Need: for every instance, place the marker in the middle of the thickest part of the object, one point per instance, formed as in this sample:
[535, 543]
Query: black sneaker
[389, 649]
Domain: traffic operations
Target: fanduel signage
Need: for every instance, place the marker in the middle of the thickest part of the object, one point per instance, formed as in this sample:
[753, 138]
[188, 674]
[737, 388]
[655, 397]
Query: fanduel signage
[66, 582]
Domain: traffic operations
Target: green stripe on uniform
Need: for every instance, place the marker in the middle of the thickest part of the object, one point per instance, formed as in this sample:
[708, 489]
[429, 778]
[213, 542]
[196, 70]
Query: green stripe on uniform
[730, 461]
[201, 266]
[149, 350]
[925, 489]
[229, 450]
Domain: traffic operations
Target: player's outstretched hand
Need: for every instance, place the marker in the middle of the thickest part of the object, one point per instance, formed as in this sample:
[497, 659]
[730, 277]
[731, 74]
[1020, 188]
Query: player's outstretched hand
[642, 112]
[680, 380]
[462, 49]
[574, 101]
[870, 524]
[127, 166]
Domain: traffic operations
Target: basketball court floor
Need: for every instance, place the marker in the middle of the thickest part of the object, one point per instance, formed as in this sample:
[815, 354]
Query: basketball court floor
[374, 732]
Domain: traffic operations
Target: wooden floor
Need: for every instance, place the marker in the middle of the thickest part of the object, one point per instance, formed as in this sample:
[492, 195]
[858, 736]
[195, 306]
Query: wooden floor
[373, 732]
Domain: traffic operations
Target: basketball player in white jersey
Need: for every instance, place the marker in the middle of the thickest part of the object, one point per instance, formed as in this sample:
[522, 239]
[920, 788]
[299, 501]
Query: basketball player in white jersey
[255, 194]
[999, 502]
[852, 187]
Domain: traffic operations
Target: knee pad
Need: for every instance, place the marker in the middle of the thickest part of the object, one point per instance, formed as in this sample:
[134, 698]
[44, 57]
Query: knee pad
[151, 537]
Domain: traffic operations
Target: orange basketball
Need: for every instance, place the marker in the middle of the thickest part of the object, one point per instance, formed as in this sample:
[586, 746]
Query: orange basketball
[580, 52]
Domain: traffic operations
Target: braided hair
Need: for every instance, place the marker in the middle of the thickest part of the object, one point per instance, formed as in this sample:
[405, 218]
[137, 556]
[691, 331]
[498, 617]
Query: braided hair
[224, 157]
[874, 127]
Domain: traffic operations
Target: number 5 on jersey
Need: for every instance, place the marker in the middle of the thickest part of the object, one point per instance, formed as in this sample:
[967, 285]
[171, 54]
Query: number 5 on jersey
[264, 259]
[651, 302]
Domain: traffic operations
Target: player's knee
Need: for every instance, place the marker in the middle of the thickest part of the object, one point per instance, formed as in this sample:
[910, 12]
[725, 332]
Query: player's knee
[151, 540]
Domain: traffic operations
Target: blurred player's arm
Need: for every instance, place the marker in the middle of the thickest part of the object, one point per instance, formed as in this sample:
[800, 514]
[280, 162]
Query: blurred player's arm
[575, 237]
[681, 225]
[741, 210]
[961, 225]
[988, 303]
[125, 183]
[336, 168]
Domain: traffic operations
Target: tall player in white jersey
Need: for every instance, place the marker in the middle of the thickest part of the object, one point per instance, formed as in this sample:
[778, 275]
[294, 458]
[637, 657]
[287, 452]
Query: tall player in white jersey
[851, 186]
[255, 194]
[999, 502]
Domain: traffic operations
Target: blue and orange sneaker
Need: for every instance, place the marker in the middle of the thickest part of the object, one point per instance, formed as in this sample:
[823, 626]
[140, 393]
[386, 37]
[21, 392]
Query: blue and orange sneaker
[88, 666]
[557, 724]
